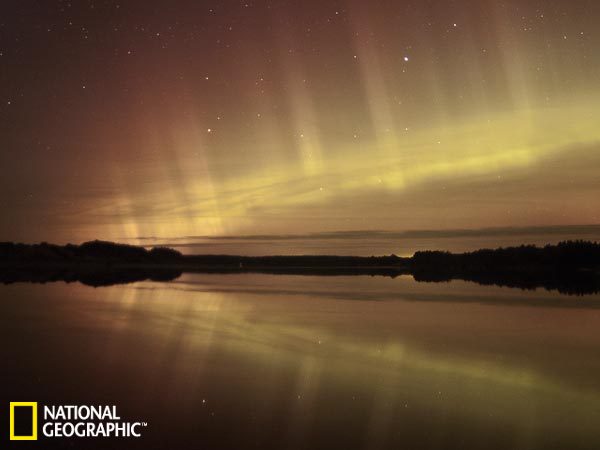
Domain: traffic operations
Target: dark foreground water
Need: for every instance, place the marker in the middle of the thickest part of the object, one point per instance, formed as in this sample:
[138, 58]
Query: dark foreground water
[286, 362]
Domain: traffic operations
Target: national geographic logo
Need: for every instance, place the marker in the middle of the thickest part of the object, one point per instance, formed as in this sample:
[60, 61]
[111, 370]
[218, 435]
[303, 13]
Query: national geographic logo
[23, 421]
[66, 421]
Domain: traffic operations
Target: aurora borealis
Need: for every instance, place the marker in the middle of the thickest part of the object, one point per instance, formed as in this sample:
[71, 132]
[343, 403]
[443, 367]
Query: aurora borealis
[128, 119]
[303, 127]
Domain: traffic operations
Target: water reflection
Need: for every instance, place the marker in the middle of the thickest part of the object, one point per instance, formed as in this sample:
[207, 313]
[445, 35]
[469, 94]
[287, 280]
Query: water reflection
[576, 282]
[236, 361]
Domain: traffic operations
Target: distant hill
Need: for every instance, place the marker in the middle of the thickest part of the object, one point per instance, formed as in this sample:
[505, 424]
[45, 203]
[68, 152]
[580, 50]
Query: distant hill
[93, 251]
[565, 255]
[571, 267]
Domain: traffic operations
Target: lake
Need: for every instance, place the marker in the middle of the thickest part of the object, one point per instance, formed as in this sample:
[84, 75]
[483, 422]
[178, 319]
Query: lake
[308, 362]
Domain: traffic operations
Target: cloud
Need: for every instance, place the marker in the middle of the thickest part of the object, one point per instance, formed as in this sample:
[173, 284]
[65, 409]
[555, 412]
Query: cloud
[557, 230]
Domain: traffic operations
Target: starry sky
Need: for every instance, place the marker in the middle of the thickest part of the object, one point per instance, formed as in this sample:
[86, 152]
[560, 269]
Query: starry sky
[132, 119]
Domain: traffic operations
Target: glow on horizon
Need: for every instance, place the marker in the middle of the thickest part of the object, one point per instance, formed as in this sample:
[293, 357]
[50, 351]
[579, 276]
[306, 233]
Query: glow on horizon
[429, 157]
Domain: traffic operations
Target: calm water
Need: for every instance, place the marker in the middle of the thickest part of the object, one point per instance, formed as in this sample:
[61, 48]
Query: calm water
[259, 361]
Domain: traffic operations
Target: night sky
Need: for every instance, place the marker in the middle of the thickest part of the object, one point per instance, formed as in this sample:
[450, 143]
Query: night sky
[123, 119]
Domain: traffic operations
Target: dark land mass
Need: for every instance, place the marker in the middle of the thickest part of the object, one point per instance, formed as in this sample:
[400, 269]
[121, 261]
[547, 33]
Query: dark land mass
[571, 267]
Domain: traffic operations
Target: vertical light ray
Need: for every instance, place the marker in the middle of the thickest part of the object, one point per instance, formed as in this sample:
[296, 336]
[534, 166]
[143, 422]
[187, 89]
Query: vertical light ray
[513, 56]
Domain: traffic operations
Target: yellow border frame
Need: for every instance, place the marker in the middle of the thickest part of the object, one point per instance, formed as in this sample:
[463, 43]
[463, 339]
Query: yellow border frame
[33, 437]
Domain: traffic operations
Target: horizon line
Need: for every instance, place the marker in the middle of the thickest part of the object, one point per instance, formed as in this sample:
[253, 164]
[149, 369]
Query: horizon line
[393, 234]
